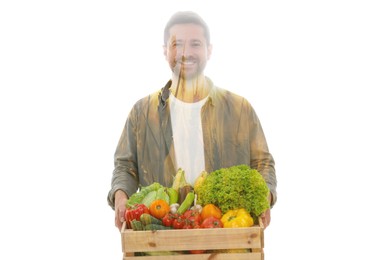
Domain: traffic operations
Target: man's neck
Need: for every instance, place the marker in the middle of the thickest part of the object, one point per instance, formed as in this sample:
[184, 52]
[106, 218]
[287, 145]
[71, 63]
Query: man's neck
[190, 91]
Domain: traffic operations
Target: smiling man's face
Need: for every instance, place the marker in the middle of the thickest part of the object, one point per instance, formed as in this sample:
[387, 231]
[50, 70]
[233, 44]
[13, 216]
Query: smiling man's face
[187, 51]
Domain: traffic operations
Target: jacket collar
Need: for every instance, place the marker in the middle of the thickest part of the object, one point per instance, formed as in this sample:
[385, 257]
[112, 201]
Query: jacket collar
[164, 93]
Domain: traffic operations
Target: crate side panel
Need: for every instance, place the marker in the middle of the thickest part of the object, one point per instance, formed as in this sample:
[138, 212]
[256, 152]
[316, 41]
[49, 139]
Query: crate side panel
[173, 240]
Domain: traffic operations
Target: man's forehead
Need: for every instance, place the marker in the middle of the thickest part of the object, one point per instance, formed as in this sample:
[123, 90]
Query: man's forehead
[188, 31]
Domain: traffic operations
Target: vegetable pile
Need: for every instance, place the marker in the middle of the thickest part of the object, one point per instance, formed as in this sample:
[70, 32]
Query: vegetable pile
[237, 195]
[226, 198]
[233, 188]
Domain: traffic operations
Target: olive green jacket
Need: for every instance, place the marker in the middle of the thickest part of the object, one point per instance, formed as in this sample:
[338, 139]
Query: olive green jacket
[232, 135]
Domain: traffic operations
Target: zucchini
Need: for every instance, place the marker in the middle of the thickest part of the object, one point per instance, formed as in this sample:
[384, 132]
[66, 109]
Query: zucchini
[156, 227]
[147, 219]
[187, 203]
[136, 225]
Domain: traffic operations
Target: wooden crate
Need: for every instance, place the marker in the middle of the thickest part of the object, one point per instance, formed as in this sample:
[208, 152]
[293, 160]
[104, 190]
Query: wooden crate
[195, 239]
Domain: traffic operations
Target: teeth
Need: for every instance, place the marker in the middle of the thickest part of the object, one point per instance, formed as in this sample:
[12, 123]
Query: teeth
[188, 63]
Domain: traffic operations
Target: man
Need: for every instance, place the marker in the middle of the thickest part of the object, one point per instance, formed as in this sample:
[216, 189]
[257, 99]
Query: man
[190, 124]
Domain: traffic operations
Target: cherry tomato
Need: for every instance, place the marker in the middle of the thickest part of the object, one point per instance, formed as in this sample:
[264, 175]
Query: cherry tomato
[187, 225]
[196, 225]
[193, 216]
[168, 219]
[178, 222]
[159, 208]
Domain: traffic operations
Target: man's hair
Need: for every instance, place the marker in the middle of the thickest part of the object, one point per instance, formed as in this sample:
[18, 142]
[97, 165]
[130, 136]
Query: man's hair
[185, 17]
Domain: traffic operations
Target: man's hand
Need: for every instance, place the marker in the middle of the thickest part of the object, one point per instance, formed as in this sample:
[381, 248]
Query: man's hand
[120, 208]
[266, 216]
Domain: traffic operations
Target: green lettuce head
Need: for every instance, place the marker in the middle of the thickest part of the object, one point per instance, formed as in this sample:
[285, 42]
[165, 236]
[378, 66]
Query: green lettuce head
[236, 187]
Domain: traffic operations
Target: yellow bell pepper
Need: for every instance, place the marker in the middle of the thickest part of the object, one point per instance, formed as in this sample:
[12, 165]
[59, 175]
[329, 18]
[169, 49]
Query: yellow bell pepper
[237, 218]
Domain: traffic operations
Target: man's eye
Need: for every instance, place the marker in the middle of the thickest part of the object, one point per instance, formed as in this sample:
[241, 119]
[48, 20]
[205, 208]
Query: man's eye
[196, 44]
[177, 44]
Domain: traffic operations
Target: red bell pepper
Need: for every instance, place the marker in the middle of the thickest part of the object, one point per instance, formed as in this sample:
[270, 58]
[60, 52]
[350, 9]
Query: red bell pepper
[134, 212]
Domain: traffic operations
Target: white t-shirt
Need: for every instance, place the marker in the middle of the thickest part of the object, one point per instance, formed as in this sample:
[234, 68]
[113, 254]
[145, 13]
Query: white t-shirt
[188, 136]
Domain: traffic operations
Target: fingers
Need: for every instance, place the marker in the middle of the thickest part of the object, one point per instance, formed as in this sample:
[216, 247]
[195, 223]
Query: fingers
[119, 217]
[266, 223]
[120, 208]
[263, 220]
[266, 218]
[119, 222]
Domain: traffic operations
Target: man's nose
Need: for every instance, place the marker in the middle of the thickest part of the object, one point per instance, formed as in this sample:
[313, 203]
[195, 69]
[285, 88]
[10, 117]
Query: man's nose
[186, 52]
[187, 49]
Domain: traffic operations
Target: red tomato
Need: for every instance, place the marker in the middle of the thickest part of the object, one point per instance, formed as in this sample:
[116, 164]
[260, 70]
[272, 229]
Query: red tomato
[187, 225]
[212, 222]
[196, 225]
[168, 219]
[193, 216]
[178, 222]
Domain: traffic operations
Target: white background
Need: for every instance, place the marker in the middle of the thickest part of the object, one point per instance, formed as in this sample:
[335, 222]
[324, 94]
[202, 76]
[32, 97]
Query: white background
[317, 73]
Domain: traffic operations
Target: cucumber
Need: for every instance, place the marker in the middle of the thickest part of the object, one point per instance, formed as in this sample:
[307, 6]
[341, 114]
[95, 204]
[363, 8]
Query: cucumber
[136, 225]
[147, 219]
[187, 203]
[183, 191]
[156, 227]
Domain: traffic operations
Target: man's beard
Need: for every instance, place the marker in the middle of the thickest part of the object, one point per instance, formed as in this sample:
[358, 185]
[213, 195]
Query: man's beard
[184, 73]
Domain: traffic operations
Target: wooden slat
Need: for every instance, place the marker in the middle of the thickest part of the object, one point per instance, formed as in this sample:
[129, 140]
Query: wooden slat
[220, 256]
[194, 239]
[216, 238]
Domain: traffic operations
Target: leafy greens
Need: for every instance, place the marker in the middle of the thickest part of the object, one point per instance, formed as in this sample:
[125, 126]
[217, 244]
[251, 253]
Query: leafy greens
[236, 187]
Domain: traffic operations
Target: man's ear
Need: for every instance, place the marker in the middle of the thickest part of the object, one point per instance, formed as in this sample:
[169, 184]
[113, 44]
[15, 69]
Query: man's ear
[165, 51]
[209, 50]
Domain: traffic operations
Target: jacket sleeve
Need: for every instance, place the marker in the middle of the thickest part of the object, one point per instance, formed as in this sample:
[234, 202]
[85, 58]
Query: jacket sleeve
[125, 174]
[261, 158]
